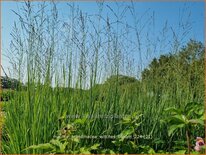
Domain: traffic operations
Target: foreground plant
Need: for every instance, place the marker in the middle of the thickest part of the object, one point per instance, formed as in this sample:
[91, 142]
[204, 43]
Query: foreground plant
[58, 144]
[187, 118]
[128, 140]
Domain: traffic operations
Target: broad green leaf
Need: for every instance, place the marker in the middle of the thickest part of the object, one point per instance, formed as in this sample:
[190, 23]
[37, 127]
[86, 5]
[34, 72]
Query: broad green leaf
[111, 152]
[63, 147]
[136, 115]
[95, 147]
[197, 121]
[126, 132]
[138, 124]
[56, 143]
[151, 151]
[126, 120]
[203, 117]
[84, 151]
[200, 111]
[194, 152]
[64, 115]
[178, 119]
[173, 110]
[172, 128]
[40, 146]
[75, 139]
[81, 121]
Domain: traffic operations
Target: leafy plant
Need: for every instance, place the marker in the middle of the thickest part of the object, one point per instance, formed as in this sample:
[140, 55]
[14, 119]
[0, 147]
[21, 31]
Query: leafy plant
[191, 115]
[60, 144]
[127, 140]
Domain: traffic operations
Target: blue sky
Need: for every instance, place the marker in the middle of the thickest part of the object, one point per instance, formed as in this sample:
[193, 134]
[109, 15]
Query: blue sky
[172, 12]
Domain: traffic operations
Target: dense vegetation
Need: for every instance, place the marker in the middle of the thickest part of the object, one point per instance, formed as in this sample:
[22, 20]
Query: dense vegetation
[162, 85]
[161, 111]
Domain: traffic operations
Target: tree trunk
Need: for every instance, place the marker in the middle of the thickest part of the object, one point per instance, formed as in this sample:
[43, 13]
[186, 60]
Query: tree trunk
[188, 140]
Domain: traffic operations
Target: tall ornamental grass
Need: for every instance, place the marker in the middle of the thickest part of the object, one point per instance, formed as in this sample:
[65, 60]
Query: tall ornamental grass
[75, 67]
